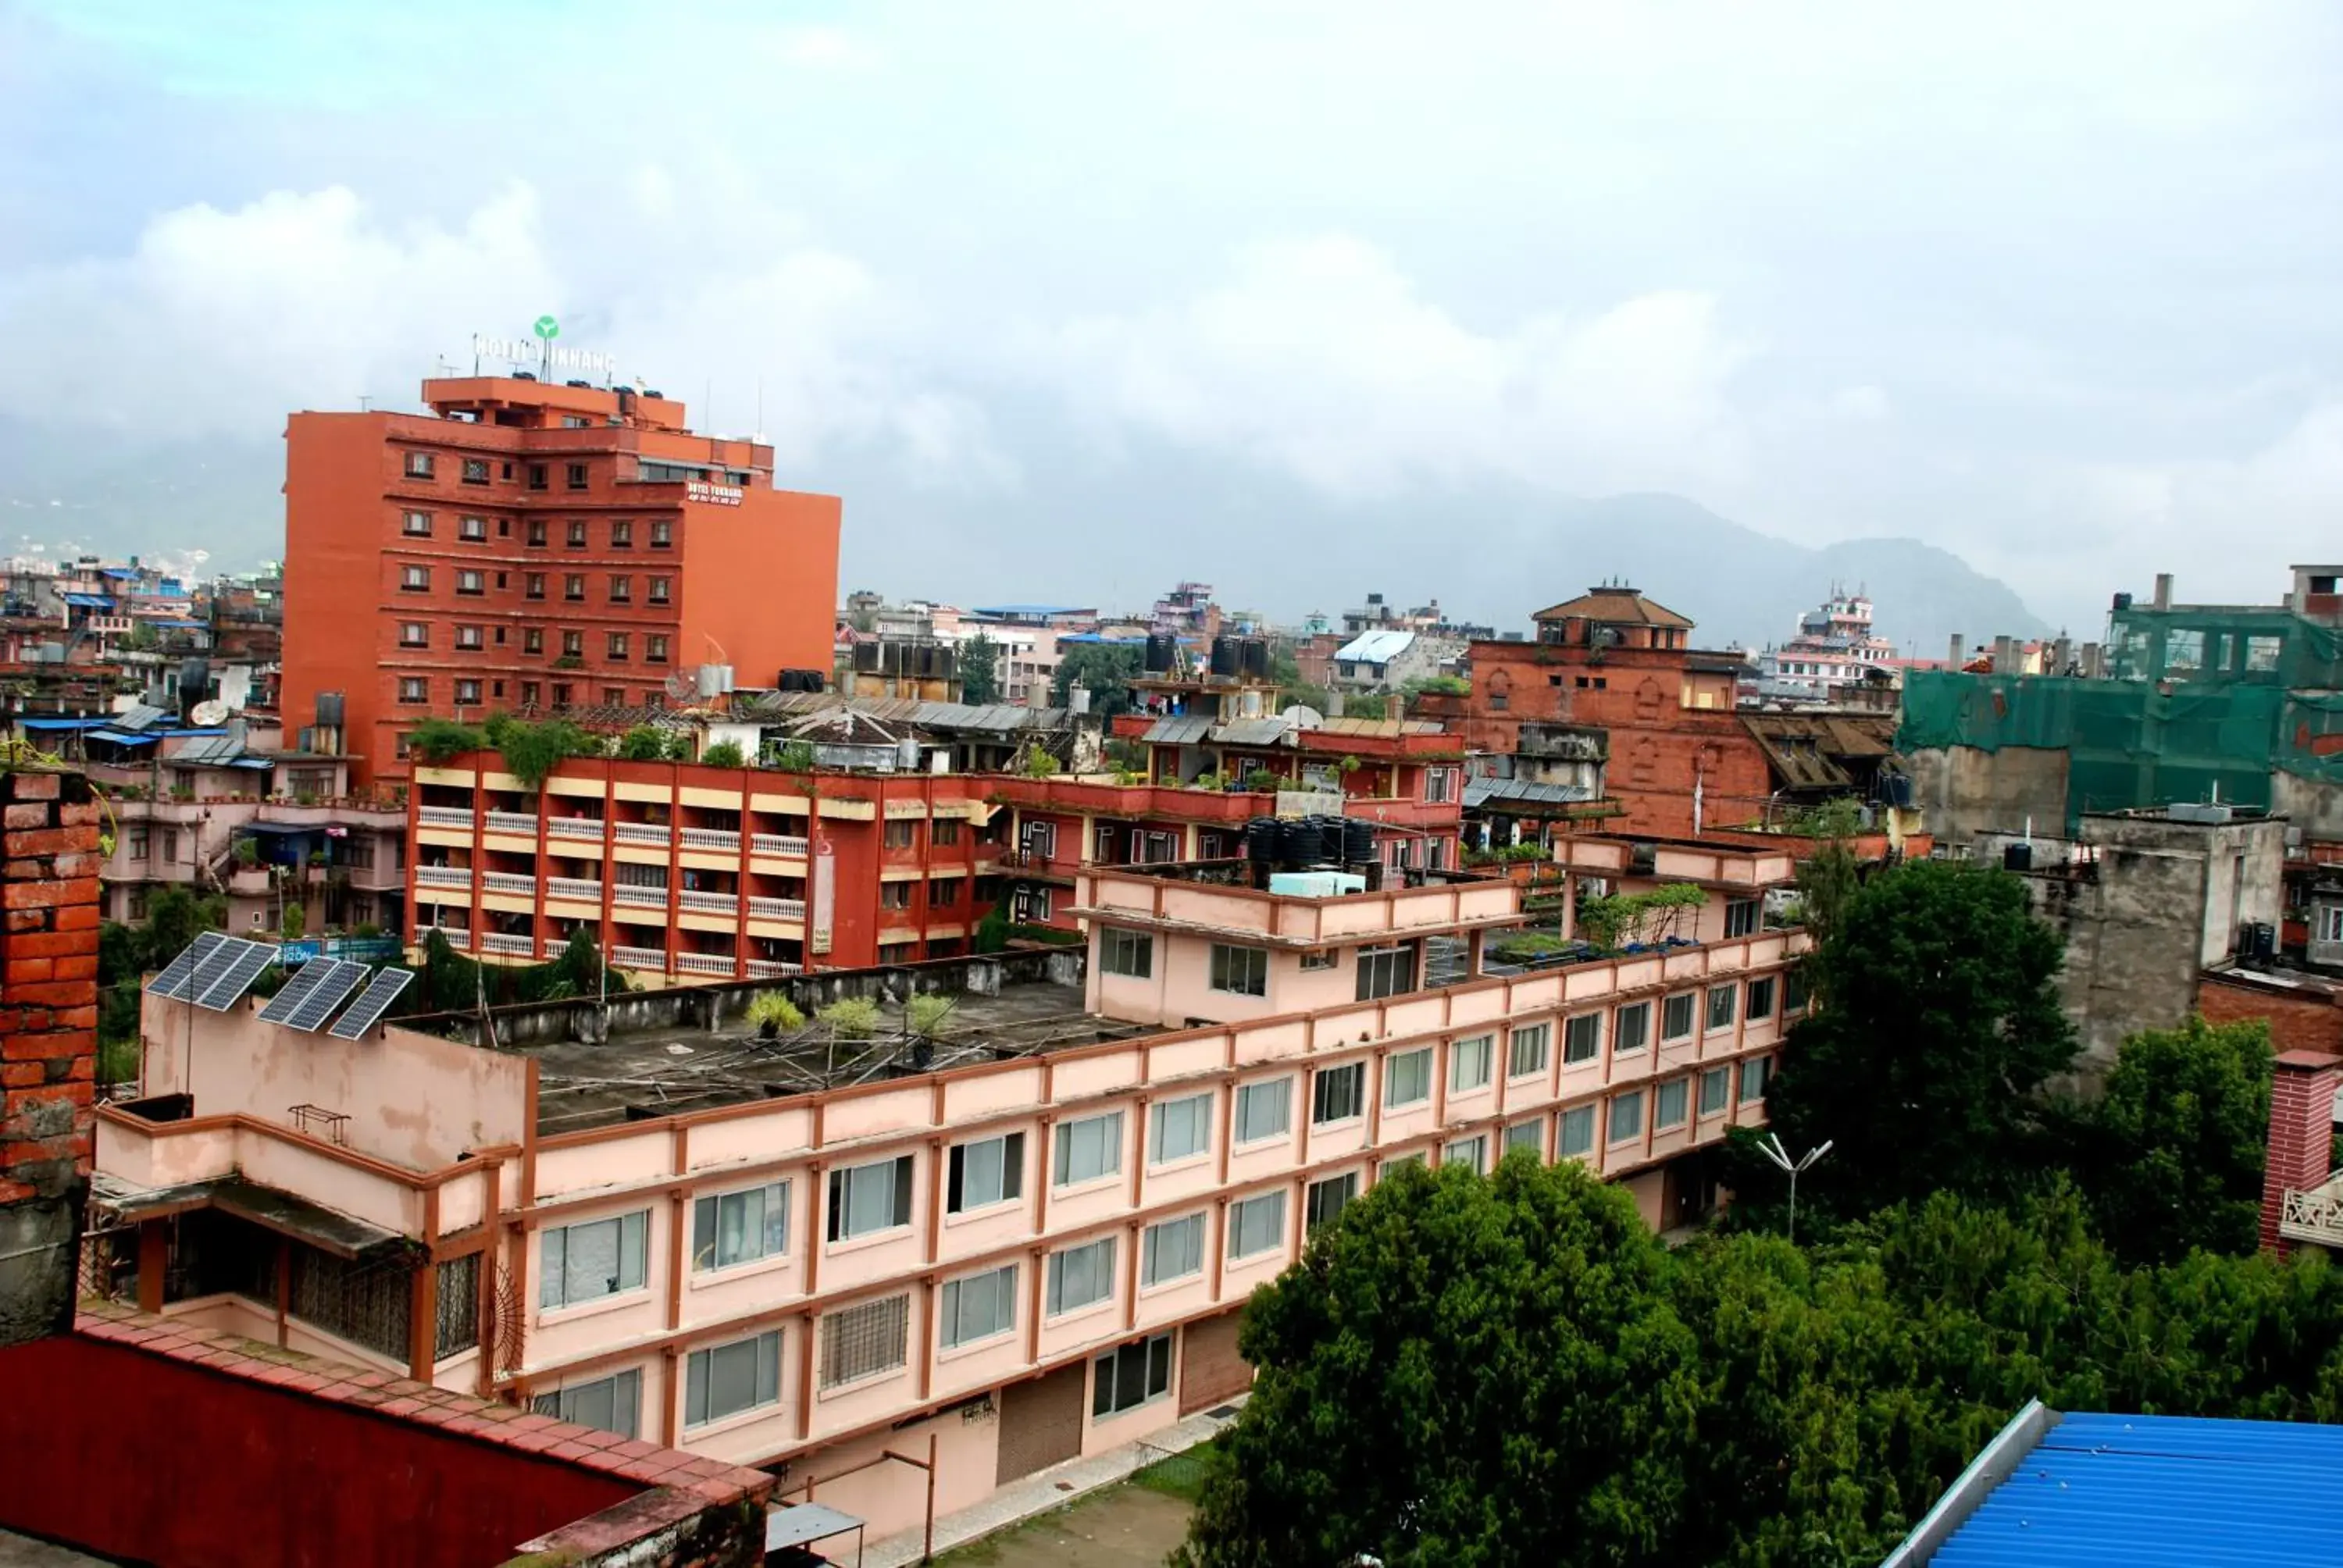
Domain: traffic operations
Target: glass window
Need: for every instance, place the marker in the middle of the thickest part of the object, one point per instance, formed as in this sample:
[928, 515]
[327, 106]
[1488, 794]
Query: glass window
[1794, 990]
[1468, 1065]
[1088, 1149]
[1325, 1201]
[1715, 1087]
[1527, 1054]
[1263, 1110]
[1575, 1131]
[532, 639]
[1676, 1017]
[1582, 1039]
[622, 535]
[865, 1199]
[1386, 971]
[1753, 1074]
[1468, 1152]
[1243, 972]
[1340, 1093]
[1128, 1377]
[593, 1259]
[1528, 1135]
[414, 579]
[1633, 1031]
[1171, 1251]
[660, 588]
[1082, 1276]
[622, 589]
[1740, 919]
[470, 582]
[1127, 953]
[613, 1404]
[1668, 1103]
[1407, 1077]
[1318, 959]
[417, 523]
[655, 648]
[864, 1341]
[978, 1307]
[473, 529]
[729, 1228]
[989, 1170]
[1761, 998]
[1720, 1007]
[419, 465]
[662, 534]
[1256, 1224]
[899, 834]
[1179, 1128]
[414, 634]
[1627, 1116]
[617, 645]
[577, 482]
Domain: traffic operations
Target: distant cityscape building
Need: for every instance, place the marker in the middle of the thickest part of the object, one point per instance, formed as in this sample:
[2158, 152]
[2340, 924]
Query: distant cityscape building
[1834, 649]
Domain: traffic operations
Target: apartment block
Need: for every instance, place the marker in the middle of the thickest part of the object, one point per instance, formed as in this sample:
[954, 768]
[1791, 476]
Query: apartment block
[528, 546]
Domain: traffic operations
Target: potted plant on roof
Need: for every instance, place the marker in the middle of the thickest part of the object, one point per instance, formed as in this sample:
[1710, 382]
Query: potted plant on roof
[773, 1012]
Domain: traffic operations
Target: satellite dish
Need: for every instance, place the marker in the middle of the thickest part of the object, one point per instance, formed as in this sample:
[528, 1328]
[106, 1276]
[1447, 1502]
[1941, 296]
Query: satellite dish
[209, 713]
[1302, 718]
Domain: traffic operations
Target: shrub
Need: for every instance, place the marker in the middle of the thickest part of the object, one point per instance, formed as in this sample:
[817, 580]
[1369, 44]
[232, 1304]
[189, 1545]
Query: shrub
[724, 754]
[438, 741]
[856, 1018]
[771, 1007]
[1262, 781]
[927, 1012]
[642, 744]
[795, 757]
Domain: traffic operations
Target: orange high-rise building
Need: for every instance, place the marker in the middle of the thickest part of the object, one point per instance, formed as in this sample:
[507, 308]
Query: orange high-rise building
[531, 546]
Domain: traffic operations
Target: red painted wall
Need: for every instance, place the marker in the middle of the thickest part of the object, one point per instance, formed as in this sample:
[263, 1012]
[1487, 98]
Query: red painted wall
[144, 1458]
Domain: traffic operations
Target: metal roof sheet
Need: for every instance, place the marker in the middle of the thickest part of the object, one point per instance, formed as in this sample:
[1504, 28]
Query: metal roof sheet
[1481, 791]
[1186, 732]
[1252, 732]
[88, 601]
[1374, 646]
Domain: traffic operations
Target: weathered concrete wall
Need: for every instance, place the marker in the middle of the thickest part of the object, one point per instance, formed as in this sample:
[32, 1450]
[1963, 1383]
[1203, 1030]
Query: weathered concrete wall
[1965, 792]
[2315, 808]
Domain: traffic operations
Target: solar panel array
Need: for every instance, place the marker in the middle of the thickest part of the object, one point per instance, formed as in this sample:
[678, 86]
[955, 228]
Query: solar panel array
[173, 982]
[296, 1005]
[221, 982]
[368, 1011]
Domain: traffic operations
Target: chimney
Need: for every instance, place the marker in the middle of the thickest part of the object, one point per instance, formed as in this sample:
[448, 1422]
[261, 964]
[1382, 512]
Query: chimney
[2005, 655]
[2163, 590]
[1955, 656]
[2301, 1128]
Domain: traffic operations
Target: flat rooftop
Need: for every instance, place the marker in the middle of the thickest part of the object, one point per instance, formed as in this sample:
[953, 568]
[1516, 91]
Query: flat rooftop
[643, 1074]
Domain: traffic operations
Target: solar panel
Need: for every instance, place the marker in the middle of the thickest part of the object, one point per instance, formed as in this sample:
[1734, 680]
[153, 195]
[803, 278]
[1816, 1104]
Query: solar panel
[173, 982]
[233, 976]
[330, 994]
[368, 1011]
[306, 980]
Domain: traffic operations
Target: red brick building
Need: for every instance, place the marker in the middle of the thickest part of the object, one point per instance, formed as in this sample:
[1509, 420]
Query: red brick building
[525, 545]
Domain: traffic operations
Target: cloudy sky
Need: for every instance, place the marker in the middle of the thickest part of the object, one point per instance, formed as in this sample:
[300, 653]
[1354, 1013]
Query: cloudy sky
[2052, 285]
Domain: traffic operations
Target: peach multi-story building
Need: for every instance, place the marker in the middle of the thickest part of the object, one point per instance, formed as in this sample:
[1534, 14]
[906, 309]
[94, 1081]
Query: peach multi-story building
[1030, 1237]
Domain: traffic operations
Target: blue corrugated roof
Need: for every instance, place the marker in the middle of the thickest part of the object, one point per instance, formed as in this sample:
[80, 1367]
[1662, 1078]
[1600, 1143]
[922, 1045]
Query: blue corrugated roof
[2157, 1491]
[88, 601]
[62, 723]
[1031, 610]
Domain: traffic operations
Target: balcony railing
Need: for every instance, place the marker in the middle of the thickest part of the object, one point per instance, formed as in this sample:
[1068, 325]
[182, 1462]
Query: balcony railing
[777, 908]
[766, 969]
[716, 839]
[705, 964]
[576, 887]
[2313, 1216]
[711, 903]
[443, 877]
[624, 894]
[443, 816]
[642, 833]
[638, 958]
[574, 828]
[510, 946]
[512, 822]
[783, 844]
[508, 882]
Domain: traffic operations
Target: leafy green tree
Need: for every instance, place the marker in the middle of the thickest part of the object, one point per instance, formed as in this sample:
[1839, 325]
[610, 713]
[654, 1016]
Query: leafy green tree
[2171, 1152]
[1944, 1024]
[642, 744]
[795, 757]
[438, 740]
[724, 754]
[532, 751]
[1357, 705]
[979, 671]
[1104, 667]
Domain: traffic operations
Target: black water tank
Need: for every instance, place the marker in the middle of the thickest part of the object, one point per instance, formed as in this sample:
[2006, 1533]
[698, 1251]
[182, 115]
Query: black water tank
[2018, 857]
[1160, 648]
[2262, 939]
[329, 709]
[1899, 790]
[1302, 844]
[1254, 658]
[1358, 840]
[1262, 839]
[1224, 655]
[2123, 601]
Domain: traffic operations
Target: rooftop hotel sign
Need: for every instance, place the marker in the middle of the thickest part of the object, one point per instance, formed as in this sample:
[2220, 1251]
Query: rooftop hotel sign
[542, 351]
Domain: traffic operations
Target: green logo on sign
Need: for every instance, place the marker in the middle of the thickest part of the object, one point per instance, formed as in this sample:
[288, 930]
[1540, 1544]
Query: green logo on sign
[547, 328]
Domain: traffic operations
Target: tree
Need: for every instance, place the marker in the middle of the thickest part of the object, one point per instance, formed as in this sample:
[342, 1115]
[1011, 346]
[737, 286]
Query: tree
[795, 757]
[1359, 705]
[979, 671]
[2171, 1154]
[532, 751]
[1944, 1023]
[642, 744]
[1104, 667]
[438, 740]
[724, 754]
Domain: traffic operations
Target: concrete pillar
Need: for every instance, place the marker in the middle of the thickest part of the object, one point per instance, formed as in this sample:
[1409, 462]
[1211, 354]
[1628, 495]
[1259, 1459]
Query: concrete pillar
[2062, 653]
[1952, 656]
[1569, 905]
[2163, 590]
[2301, 1128]
[2093, 662]
[2005, 655]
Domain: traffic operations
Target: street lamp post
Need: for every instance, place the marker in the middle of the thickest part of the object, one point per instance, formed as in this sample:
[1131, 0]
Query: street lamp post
[1771, 1147]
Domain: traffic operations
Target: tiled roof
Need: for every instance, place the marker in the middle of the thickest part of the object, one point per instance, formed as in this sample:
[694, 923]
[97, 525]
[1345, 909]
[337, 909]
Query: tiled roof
[1613, 607]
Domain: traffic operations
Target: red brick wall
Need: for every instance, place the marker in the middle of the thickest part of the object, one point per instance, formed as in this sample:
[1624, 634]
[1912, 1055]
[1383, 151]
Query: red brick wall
[2299, 1021]
[2301, 1132]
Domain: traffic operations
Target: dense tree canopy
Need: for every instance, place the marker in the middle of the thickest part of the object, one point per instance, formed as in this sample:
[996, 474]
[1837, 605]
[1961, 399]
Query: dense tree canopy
[1104, 668]
[979, 671]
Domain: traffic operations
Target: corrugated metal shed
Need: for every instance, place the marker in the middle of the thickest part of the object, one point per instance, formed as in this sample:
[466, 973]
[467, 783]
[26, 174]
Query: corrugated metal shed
[1374, 647]
[2139, 1491]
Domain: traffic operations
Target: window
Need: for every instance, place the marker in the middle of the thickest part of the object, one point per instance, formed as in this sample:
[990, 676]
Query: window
[1668, 1104]
[1468, 1065]
[536, 539]
[1316, 958]
[944, 835]
[864, 1199]
[1325, 1201]
[943, 893]
[1467, 1152]
[597, 1257]
[660, 588]
[560, 694]
[469, 637]
[467, 692]
[613, 1404]
[577, 482]
[1407, 1077]
[1676, 1017]
[622, 589]
[978, 1307]
[533, 585]
[1088, 1149]
[414, 688]
[1080, 1276]
[622, 535]
[532, 639]
[573, 645]
[470, 582]
[1439, 784]
[1715, 1087]
[1793, 991]
[662, 534]
[1761, 998]
[1753, 1074]
[573, 586]
[418, 524]
[1627, 1116]
[1633, 1029]
[899, 835]
[1741, 919]
[1720, 1007]
[170, 843]
[1528, 1135]
[986, 1171]
[476, 472]
[1128, 953]
[730, 1228]
[136, 843]
[1263, 1110]
[1244, 971]
[1127, 1378]
[1340, 1094]
[655, 648]
[1575, 1131]
[1527, 1054]
[419, 465]
[414, 634]
[529, 693]
[414, 579]
[1177, 1129]
[1386, 971]
[864, 1341]
[473, 529]
[1582, 1039]
[895, 896]
[1256, 1224]
[1171, 1251]
[618, 643]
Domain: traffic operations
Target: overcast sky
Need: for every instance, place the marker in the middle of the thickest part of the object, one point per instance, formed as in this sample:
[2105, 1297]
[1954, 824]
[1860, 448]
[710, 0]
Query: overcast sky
[2052, 285]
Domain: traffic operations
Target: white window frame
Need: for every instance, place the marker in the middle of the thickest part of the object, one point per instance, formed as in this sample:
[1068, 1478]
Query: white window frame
[1071, 1145]
[1194, 1120]
[1420, 1061]
[1575, 1123]
[1338, 1094]
[966, 1191]
[626, 1394]
[1153, 1355]
[1236, 971]
[771, 1235]
[1626, 1040]
[1131, 954]
[1171, 1250]
[1726, 999]
[900, 1174]
[1319, 1193]
[1257, 1224]
[1469, 1064]
[1690, 1001]
[1757, 1007]
[1475, 1149]
[977, 1307]
[1264, 1110]
[1671, 1105]
[1720, 1079]
[1762, 1068]
[1582, 1039]
[1627, 1107]
[1530, 1135]
[555, 1244]
[1741, 919]
[1099, 1256]
[1528, 1049]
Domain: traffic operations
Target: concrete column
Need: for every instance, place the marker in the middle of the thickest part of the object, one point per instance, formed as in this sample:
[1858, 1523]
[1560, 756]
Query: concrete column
[2005, 655]
[1953, 655]
[2062, 653]
[1569, 905]
[2163, 590]
[2301, 1128]
[2093, 662]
